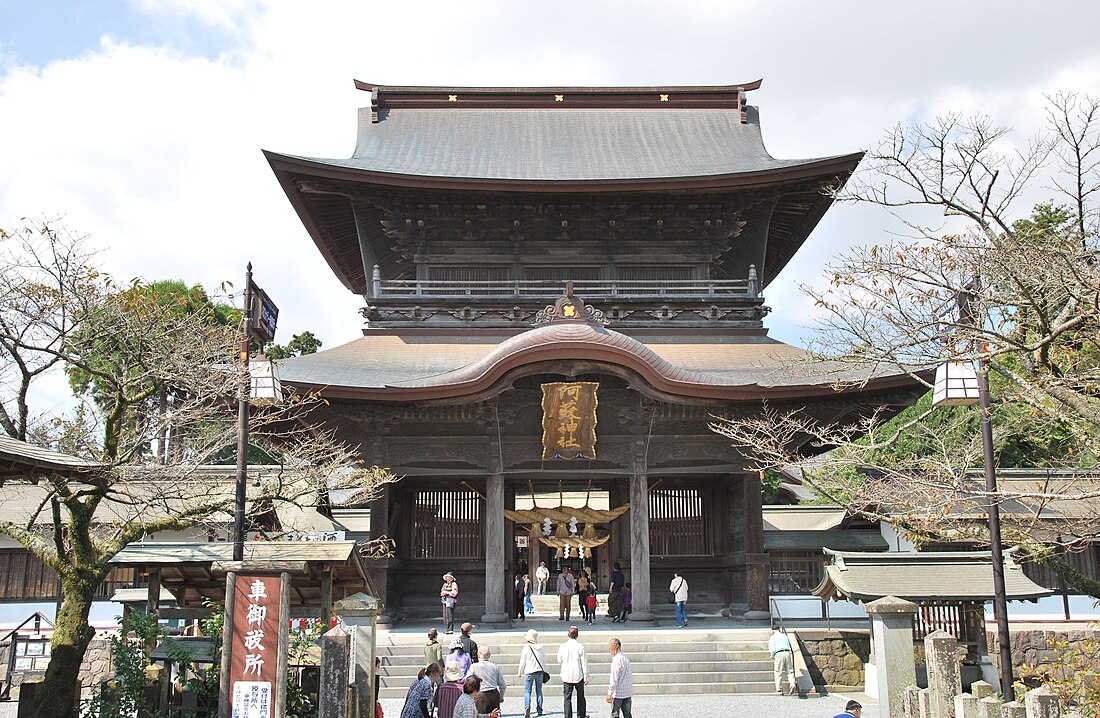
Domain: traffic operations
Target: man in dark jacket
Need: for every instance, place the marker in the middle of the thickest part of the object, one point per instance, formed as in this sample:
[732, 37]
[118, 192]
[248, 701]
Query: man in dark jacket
[468, 644]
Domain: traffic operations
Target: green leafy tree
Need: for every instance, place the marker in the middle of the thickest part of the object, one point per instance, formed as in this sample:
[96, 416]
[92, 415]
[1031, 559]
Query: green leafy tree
[299, 345]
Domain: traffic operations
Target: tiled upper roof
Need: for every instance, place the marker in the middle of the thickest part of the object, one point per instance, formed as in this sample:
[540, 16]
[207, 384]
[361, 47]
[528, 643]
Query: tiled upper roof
[564, 145]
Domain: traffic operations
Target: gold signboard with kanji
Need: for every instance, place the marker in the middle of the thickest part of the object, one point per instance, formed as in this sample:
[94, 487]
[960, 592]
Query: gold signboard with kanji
[569, 420]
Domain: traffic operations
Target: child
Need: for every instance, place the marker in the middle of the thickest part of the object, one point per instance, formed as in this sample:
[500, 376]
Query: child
[591, 600]
[628, 602]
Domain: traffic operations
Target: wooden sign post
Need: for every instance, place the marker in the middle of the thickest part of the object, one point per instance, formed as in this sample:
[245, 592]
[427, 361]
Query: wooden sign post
[255, 643]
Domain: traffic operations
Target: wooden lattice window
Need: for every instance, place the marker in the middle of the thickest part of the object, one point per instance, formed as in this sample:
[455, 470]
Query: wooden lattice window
[1086, 562]
[678, 523]
[794, 573]
[658, 273]
[468, 274]
[561, 274]
[447, 524]
[23, 576]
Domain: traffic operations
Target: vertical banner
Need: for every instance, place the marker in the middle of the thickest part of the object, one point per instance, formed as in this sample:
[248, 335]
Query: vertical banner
[569, 420]
[254, 659]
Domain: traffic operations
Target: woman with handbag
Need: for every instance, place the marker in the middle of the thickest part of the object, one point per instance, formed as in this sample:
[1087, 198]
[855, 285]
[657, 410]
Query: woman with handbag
[532, 662]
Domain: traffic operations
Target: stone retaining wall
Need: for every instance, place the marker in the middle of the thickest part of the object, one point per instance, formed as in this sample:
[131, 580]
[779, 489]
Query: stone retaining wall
[835, 659]
[1032, 646]
[96, 666]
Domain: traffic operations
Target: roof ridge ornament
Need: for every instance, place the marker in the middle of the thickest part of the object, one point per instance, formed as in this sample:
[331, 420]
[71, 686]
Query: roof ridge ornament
[570, 309]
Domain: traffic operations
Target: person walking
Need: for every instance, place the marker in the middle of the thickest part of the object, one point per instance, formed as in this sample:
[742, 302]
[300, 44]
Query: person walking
[532, 658]
[493, 684]
[574, 673]
[528, 588]
[851, 710]
[542, 575]
[450, 690]
[565, 594]
[466, 706]
[448, 596]
[628, 602]
[461, 658]
[468, 643]
[583, 584]
[615, 594]
[620, 686]
[679, 587]
[433, 652]
[418, 701]
[782, 659]
[517, 598]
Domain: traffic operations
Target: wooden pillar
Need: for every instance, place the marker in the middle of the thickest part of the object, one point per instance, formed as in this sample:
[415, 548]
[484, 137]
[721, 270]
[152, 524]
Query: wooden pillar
[756, 560]
[639, 541]
[152, 597]
[326, 596]
[496, 567]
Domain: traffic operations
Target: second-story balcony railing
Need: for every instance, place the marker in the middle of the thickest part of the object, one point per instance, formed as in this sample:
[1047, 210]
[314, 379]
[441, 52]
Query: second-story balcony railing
[589, 289]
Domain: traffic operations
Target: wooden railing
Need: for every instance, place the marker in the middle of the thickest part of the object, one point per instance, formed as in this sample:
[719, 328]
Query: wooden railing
[794, 575]
[588, 289]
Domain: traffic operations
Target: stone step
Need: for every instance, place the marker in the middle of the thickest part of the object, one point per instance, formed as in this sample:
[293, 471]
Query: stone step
[666, 668]
[505, 659]
[594, 692]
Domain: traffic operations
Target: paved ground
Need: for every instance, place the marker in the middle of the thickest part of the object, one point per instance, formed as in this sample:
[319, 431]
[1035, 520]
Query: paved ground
[732, 706]
[727, 706]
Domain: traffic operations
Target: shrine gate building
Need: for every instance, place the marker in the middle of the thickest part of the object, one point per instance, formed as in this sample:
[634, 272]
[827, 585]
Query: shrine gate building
[507, 239]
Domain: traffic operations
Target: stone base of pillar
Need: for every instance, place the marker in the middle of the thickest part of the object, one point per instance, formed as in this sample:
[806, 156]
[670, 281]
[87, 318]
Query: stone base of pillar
[643, 618]
[384, 619]
[756, 616]
[496, 618]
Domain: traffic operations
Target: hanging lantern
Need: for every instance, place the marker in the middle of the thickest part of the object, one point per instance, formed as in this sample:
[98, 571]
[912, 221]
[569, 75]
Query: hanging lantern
[267, 388]
[956, 385]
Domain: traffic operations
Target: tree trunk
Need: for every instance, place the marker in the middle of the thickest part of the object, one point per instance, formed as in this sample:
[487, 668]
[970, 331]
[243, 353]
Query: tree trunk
[60, 690]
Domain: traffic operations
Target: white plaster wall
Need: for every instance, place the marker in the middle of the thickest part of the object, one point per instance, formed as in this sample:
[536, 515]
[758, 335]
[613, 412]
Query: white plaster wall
[103, 616]
[894, 540]
[1050, 608]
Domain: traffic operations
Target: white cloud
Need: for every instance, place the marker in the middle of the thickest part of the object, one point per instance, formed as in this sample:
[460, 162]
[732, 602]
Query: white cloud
[157, 153]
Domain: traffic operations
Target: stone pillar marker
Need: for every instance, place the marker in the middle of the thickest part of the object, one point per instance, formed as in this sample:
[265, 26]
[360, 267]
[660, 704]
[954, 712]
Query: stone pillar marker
[981, 689]
[333, 695]
[639, 540]
[989, 707]
[1042, 703]
[1015, 709]
[966, 706]
[944, 681]
[910, 701]
[496, 585]
[359, 612]
[896, 668]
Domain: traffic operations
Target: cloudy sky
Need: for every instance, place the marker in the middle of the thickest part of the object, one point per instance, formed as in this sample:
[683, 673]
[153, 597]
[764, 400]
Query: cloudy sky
[142, 121]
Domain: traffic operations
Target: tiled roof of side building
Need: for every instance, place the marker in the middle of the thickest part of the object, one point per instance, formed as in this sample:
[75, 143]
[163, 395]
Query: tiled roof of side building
[955, 576]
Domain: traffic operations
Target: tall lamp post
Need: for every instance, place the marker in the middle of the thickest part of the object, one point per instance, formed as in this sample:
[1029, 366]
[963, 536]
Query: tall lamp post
[259, 381]
[958, 384]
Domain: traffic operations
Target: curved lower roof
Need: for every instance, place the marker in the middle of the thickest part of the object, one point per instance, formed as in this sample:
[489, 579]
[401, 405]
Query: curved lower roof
[413, 366]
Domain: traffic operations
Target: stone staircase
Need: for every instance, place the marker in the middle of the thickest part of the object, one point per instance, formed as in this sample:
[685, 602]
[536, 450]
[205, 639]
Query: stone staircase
[665, 660]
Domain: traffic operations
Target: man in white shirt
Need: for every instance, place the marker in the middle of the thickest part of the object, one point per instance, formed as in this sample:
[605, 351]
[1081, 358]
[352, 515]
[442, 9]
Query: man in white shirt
[574, 673]
[782, 659]
[620, 687]
[679, 589]
[542, 575]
